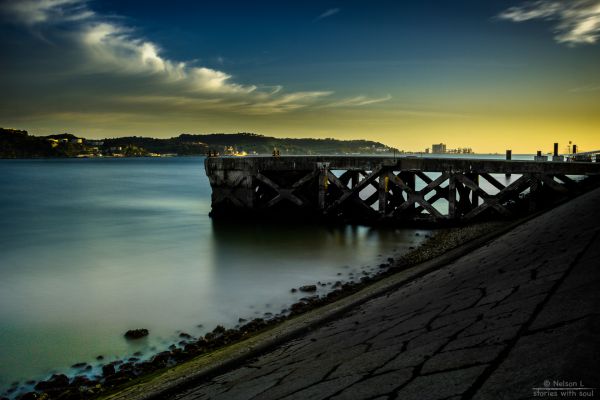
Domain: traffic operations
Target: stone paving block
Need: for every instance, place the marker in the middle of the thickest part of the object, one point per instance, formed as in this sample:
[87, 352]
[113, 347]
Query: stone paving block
[486, 337]
[411, 358]
[375, 385]
[440, 386]
[545, 355]
[569, 305]
[321, 390]
[454, 359]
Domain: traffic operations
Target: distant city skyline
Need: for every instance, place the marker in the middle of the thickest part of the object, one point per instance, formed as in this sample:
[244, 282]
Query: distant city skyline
[490, 75]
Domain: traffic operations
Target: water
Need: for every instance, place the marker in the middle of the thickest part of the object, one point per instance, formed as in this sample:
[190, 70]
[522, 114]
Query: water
[90, 248]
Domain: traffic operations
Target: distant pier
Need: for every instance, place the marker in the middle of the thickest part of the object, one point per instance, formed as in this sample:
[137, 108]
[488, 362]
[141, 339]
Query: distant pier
[379, 189]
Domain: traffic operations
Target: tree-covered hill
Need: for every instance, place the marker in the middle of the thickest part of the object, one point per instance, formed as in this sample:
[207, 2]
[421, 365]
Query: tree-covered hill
[19, 144]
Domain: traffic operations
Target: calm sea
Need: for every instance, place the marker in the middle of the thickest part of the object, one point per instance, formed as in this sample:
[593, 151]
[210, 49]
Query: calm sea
[90, 248]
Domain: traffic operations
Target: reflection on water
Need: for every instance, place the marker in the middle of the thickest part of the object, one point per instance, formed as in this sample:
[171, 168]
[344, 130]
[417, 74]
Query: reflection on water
[92, 248]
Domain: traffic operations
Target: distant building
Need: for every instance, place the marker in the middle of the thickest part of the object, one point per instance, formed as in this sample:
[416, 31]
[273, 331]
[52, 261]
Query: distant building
[77, 140]
[94, 142]
[438, 148]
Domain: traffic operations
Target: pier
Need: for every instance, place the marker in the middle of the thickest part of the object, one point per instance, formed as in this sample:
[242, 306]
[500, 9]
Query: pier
[380, 189]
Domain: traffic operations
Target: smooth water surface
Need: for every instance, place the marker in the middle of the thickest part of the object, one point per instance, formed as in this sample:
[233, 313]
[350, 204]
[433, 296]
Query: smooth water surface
[90, 248]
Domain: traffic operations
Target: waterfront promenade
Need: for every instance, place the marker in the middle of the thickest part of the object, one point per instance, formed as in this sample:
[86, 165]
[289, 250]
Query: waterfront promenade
[516, 318]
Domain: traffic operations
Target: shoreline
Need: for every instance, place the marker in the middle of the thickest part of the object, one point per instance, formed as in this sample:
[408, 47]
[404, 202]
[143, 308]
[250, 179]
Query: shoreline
[126, 372]
[436, 252]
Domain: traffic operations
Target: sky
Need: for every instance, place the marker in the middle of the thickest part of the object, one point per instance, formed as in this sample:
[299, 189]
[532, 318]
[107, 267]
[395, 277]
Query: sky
[486, 74]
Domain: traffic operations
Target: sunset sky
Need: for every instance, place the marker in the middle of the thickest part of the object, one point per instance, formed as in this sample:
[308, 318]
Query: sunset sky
[488, 74]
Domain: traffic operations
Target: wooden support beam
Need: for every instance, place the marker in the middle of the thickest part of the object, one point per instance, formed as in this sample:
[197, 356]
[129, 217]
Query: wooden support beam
[492, 181]
[535, 189]
[323, 183]
[364, 183]
[415, 197]
[496, 201]
[452, 196]
[549, 181]
[347, 194]
[384, 181]
[474, 177]
[286, 193]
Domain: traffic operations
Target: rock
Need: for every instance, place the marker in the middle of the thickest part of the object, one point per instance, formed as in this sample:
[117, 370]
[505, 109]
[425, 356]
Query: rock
[82, 381]
[383, 265]
[219, 329]
[294, 290]
[308, 288]
[136, 333]
[108, 370]
[184, 335]
[79, 365]
[337, 284]
[30, 396]
[57, 381]
[254, 325]
[100, 358]
[137, 353]
[241, 320]
[191, 348]
[161, 359]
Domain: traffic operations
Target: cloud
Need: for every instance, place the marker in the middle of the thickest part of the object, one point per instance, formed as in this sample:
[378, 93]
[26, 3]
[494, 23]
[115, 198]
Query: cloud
[358, 101]
[32, 12]
[111, 47]
[132, 71]
[584, 89]
[327, 13]
[575, 21]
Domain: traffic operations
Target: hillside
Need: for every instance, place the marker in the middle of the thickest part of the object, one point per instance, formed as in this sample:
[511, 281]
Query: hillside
[19, 144]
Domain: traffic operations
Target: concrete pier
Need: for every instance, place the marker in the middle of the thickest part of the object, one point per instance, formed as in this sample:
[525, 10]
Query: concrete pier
[374, 190]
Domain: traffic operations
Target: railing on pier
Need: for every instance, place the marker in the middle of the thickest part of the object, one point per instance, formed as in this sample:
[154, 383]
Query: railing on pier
[384, 189]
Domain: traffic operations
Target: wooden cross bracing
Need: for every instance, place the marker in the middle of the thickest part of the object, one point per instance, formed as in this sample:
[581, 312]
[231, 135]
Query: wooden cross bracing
[382, 192]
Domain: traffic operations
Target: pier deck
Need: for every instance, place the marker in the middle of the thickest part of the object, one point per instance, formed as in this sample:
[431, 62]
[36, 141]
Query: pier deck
[380, 189]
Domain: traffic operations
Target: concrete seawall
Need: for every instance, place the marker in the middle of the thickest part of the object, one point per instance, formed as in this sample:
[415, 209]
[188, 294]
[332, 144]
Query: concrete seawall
[517, 318]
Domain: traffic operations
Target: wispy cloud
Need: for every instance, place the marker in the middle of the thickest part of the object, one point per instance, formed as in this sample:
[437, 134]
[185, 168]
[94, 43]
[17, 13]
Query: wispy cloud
[134, 73]
[33, 12]
[327, 13]
[357, 101]
[575, 21]
[583, 89]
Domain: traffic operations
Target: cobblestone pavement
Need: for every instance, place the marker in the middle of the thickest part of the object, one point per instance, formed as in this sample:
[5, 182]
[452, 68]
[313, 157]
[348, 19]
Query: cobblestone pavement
[495, 324]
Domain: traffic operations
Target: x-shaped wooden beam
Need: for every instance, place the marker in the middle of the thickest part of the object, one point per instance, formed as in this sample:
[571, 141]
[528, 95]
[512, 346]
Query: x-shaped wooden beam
[493, 201]
[286, 193]
[227, 190]
[351, 193]
[418, 196]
